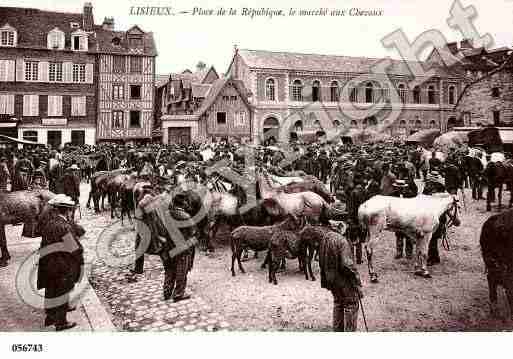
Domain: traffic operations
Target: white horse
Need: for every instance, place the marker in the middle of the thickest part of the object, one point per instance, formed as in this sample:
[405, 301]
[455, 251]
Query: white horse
[417, 218]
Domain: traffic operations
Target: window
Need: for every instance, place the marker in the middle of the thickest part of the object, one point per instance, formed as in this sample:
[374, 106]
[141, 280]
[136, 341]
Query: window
[336, 123]
[452, 94]
[431, 95]
[135, 118]
[7, 36]
[135, 92]
[30, 136]
[135, 41]
[316, 91]
[373, 121]
[402, 93]
[418, 123]
[7, 70]
[432, 124]
[79, 41]
[297, 91]
[118, 92]
[269, 90]
[31, 70]
[79, 72]
[226, 98]
[416, 94]
[496, 92]
[233, 99]
[369, 92]
[55, 72]
[78, 106]
[74, 25]
[54, 106]
[496, 118]
[353, 94]
[55, 39]
[117, 119]
[334, 92]
[78, 137]
[6, 104]
[221, 118]
[240, 118]
[116, 41]
[135, 64]
[118, 64]
[30, 105]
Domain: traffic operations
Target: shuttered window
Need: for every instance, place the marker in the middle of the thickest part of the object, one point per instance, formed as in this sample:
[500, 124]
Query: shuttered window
[118, 92]
[55, 72]
[117, 119]
[118, 64]
[7, 38]
[79, 74]
[30, 105]
[54, 106]
[136, 64]
[240, 118]
[6, 104]
[78, 106]
[7, 69]
[31, 70]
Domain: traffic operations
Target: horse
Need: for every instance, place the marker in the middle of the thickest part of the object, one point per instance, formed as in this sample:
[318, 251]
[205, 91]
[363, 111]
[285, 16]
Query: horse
[417, 218]
[21, 207]
[497, 174]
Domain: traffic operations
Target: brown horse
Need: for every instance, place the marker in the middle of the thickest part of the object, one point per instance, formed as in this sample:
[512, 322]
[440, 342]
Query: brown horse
[497, 174]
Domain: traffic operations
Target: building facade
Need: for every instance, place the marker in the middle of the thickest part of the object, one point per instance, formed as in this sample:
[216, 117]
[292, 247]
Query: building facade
[304, 93]
[202, 107]
[64, 79]
[47, 87]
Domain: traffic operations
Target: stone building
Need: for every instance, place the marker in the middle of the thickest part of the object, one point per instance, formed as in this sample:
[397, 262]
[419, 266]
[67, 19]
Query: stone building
[64, 79]
[304, 92]
[201, 106]
[47, 76]
[487, 98]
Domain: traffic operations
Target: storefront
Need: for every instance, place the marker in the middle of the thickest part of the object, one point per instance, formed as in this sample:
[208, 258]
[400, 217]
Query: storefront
[56, 132]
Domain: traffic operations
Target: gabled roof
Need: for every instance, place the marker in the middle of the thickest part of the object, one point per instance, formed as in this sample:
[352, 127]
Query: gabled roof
[161, 80]
[105, 45]
[216, 89]
[200, 90]
[314, 62]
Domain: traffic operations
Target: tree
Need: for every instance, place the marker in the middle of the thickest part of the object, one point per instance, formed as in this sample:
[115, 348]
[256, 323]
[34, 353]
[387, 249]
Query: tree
[201, 66]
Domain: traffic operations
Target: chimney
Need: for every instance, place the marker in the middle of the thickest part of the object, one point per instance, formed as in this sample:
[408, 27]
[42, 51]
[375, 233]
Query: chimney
[88, 18]
[466, 44]
[108, 24]
[452, 47]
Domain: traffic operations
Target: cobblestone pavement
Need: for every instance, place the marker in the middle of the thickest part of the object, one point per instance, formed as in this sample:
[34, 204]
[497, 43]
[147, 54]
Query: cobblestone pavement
[139, 305]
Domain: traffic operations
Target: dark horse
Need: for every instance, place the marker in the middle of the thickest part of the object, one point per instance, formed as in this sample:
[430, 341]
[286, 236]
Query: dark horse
[497, 174]
[497, 249]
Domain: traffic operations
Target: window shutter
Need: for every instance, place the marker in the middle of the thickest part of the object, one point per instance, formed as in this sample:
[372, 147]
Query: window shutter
[30, 105]
[3, 70]
[43, 71]
[78, 106]
[89, 73]
[67, 70]
[54, 106]
[3, 104]
[10, 68]
[20, 70]
[10, 104]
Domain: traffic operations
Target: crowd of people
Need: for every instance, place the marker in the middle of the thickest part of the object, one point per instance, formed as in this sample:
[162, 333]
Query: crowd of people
[354, 173]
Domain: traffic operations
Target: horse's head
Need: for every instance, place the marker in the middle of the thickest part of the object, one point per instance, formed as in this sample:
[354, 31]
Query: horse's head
[453, 213]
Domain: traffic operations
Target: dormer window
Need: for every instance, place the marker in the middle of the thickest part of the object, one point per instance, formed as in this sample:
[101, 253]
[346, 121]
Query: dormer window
[56, 39]
[135, 37]
[8, 36]
[116, 41]
[79, 41]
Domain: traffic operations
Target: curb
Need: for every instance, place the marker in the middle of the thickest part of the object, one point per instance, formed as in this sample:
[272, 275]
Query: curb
[96, 314]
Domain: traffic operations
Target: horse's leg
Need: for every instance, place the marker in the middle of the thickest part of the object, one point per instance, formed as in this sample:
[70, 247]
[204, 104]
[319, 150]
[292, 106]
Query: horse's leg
[369, 249]
[4, 259]
[239, 262]
[492, 292]
[266, 260]
[501, 185]
[308, 257]
[489, 193]
[234, 256]
[422, 249]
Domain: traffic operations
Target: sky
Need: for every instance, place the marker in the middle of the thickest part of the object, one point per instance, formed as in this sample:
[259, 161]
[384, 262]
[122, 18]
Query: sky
[183, 40]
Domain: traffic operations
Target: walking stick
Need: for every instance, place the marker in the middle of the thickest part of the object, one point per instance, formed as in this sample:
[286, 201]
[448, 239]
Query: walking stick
[463, 198]
[363, 312]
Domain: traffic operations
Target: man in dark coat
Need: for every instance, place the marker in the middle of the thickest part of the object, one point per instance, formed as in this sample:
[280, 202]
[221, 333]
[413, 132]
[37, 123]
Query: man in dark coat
[355, 232]
[340, 276]
[61, 260]
[475, 171]
[22, 171]
[71, 184]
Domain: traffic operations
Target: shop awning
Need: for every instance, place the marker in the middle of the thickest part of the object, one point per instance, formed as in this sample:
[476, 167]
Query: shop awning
[7, 139]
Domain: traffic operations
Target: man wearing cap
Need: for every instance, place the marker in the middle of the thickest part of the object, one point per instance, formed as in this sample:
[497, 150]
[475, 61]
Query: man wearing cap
[61, 260]
[71, 184]
[4, 174]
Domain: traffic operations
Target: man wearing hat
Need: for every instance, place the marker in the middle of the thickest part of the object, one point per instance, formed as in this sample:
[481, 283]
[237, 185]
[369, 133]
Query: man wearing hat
[402, 241]
[61, 260]
[71, 184]
[4, 174]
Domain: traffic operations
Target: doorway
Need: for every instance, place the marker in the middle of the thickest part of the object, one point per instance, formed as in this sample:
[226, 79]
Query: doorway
[55, 138]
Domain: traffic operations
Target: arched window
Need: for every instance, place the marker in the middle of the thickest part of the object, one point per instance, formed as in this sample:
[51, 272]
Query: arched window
[402, 124]
[334, 97]
[79, 40]
[452, 95]
[418, 123]
[30, 136]
[55, 39]
[298, 126]
[431, 95]
[416, 94]
[369, 92]
[402, 92]
[373, 121]
[432, 124]
[297, 91]
[365, 122]
[316, 91]
[269, 90]
[317, 124]
[336, 123]
[354, 123]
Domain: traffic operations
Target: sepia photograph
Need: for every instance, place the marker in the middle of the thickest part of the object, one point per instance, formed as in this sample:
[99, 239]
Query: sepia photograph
[241, 166]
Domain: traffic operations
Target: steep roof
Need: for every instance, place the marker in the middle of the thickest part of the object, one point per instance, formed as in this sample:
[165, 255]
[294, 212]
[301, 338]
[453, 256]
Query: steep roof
[314, 62]
[33, 25]
[216, 88]
[161, 80]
